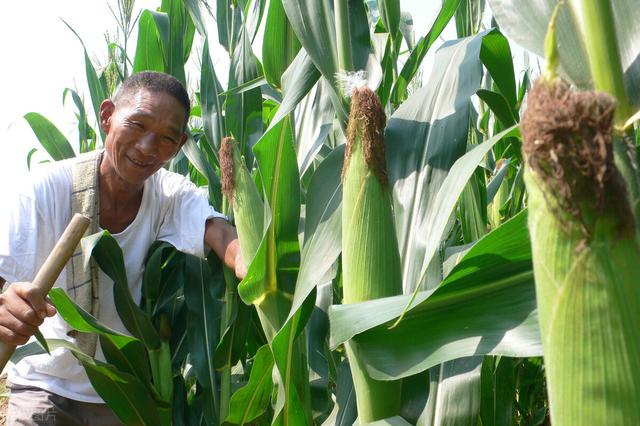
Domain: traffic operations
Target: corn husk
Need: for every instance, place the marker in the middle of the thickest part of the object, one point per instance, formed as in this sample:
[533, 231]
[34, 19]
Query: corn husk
[370, 256]
[585, 255]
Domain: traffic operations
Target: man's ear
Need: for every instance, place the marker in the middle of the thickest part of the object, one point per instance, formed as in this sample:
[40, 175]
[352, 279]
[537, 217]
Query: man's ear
[107, 107]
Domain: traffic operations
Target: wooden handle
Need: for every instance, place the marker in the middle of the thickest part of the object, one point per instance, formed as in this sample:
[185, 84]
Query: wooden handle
[50, 270]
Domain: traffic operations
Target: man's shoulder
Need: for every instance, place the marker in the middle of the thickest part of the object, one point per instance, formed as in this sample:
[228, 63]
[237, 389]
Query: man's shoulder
[51, 176]
[169, 184]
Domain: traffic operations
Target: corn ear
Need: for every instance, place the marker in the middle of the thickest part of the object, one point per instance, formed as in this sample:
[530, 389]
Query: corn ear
[243, 195]
[248, 211]
[585, 255]
[370, 255]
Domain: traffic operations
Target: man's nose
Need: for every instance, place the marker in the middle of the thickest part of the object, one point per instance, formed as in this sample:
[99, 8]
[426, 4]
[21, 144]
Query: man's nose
[147, 144]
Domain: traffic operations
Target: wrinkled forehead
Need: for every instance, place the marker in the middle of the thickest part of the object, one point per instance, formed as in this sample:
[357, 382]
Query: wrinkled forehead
[138, 96]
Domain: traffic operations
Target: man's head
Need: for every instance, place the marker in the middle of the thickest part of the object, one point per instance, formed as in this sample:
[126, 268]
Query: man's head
[155, 82]
[145, 126]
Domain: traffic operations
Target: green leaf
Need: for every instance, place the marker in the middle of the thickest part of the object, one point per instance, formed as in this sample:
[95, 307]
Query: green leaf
[212, 110]
[243, 112]
[526, 23]
[229, 24]
[51, 139]
[498, 105]
[292, 405]
[297, 81]
[485, 306]
[108, 255]
[193, 7]
[454, 394]
[425, 137]
[245, 87]
[314, 25]
[390, 15]
[96, 88]
[124, 393]
[278, 169]
[498, 391]
[152, 276]
[40, 338]
[149, 55]
[252, 400]
[199, 160]
[125, 352]
[417, 55]
[323, 226]
[181, 30]
[280, 44]
[203, 325]
[233, 341]
[86, 135]
[496, 56]
[345, 411]
[314, 125]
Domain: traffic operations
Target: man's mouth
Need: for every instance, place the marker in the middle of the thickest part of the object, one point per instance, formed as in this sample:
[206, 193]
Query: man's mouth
[139, 163]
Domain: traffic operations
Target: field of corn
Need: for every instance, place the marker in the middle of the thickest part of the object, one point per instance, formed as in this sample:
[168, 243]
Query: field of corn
[453, 247]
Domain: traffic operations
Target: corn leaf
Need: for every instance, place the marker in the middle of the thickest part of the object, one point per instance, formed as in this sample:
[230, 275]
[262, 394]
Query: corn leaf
[314, 122]
[51, 139]
[485, 306]
[345, 411]
[202, 327]
[417, 55]
[526, 23]
[390, 15]
[199, 160]
[244, 111]
[193, 7]
[280, 45]
[124, 393]
[149, 55]
[495, 54]
[314, 25]
[108, 255]
[454, 394]
[252, 400]
[96, 87]
[424, 137]
[297, 81]
[212, 110]
[125, 352]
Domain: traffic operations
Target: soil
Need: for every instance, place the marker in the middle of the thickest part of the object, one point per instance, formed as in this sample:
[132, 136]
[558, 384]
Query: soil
[4, 400]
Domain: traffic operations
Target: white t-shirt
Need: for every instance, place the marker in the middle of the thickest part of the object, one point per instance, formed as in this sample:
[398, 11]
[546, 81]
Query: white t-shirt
[31, 221]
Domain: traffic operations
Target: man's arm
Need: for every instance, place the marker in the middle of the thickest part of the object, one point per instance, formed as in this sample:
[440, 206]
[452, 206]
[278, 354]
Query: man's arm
[222, 238]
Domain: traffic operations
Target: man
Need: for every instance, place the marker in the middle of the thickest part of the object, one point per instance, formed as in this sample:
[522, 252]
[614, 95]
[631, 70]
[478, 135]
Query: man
[139, 202]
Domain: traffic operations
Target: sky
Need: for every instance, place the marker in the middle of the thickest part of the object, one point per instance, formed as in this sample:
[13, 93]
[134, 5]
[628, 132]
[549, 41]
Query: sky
[42, 57]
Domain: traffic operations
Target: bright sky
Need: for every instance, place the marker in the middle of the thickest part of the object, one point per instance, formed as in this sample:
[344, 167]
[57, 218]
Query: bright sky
[43, 57]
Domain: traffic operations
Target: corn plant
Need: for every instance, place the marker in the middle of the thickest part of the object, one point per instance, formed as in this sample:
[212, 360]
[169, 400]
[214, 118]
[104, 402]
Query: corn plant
[426, 317]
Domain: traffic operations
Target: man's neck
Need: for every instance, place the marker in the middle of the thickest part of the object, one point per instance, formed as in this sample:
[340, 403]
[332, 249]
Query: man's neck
[119, 200]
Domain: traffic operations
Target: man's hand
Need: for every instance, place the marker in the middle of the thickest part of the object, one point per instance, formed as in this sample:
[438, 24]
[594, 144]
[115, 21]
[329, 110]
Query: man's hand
[22, 309]
[220, 236]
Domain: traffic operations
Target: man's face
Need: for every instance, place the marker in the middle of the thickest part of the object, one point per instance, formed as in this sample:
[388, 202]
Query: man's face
[144, 132]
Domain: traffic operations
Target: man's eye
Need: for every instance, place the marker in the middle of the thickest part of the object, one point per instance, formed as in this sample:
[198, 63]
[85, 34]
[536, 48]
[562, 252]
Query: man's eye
[170, 140]
[137, 125]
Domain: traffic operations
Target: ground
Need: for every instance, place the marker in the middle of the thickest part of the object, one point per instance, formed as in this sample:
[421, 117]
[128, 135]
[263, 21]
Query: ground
[4, 400]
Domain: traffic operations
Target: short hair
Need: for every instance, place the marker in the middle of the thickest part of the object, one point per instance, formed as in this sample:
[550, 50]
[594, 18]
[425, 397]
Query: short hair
[157, 82]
